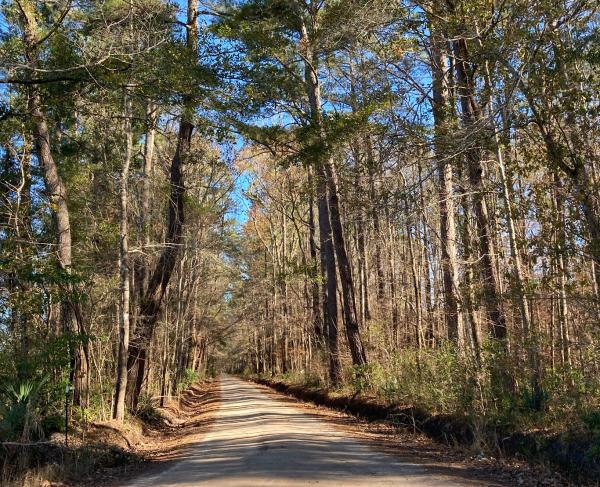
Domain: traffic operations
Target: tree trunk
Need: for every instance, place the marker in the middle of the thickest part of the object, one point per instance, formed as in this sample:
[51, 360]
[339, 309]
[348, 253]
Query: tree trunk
[327, 189]
[142, 263]
[121, 382]
[314, 284]
[70, 309]
[371, 166]
[329, 288]
[151, 302]
[442, 121]
[471, 115]
[561, 268]
[416, 286]
[359, 356]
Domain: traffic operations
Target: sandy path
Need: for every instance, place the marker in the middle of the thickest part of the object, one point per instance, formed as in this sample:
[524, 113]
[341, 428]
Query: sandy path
[258, 439]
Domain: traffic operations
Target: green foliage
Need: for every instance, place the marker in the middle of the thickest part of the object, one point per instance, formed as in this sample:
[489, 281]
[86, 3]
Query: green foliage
[53, 423]
[592, 421]
[211, 371]
[366, 378]
[147, 410]
[443, 381]
[312, 379]
[189, 377]
[20, 417]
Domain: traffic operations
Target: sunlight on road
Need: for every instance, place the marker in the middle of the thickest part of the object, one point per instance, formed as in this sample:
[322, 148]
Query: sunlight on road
[258, 440]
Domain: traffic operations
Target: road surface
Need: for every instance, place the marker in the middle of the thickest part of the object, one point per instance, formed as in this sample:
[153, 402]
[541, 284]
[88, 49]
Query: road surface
[258, 439]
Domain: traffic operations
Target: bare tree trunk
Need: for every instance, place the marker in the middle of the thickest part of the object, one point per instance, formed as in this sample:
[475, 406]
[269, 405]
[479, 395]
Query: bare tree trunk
[314, 284]
[561, 268]
[392, 278]
[284, 295]
[442, 120]
[329, 288]
[473, 154]
[470, 307]
[423, 223]
[146, 199]
[359, 356]
[416, 287]
[371, 166]
[361, 250]
[121, 382]
[363, 268]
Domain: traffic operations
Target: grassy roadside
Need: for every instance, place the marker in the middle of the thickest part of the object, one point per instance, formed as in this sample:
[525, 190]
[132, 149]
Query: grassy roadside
[100, 453]
[572, 452]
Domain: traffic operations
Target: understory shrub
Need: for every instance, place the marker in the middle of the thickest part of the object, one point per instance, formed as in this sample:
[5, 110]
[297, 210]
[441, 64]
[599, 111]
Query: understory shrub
[492, 391]
[189, 377]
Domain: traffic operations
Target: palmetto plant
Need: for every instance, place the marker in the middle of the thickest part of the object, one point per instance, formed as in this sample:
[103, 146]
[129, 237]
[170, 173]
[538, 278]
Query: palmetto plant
[19, 418]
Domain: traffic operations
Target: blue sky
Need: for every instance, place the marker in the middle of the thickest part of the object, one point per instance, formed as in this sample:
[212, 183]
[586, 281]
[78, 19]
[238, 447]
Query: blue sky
[242, 181]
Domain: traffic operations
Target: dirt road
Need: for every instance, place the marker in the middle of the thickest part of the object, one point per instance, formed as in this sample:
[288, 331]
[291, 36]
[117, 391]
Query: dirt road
[258, 439]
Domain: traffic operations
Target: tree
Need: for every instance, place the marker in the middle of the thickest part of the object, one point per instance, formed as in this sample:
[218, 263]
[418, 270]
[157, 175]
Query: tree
[70, 315]
[151, 301]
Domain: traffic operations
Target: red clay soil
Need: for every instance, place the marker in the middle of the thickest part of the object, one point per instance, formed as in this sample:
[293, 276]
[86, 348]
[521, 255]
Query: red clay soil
[184, 423]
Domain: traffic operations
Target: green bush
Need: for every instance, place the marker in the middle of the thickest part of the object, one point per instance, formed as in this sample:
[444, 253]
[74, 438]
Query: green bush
[19, 413]
[211, 371]
[147, 410]
[367, 378]
[312, 379]
[189, 377]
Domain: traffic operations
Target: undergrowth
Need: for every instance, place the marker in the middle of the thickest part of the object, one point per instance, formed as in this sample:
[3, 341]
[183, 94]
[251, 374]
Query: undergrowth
[492, 394]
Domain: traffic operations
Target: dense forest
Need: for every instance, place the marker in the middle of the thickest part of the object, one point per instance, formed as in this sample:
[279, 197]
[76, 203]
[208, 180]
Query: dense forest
[395, 198]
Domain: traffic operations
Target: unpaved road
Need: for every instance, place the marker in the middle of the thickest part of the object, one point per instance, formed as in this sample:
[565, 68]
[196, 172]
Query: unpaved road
[258, 439]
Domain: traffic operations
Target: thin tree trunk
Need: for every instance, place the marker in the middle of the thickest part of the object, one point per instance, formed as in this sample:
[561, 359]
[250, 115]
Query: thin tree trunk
[371, 166]
[121, 382]
[416, 287]
[561, 268]
[393, 293]
[447, 207]
[471, 307]
[429, 305]
[314, 284]
[146, 199]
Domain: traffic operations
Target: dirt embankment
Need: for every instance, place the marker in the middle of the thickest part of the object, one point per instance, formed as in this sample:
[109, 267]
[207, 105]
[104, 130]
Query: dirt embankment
[106, 452]
[571, 454]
